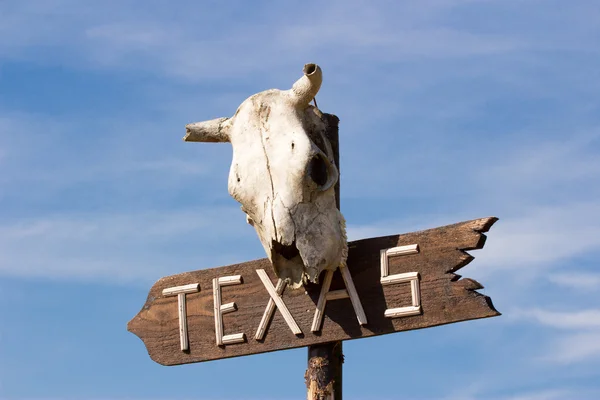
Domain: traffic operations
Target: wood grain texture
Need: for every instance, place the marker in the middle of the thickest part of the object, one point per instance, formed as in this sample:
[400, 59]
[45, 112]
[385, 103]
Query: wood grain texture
[445, 298]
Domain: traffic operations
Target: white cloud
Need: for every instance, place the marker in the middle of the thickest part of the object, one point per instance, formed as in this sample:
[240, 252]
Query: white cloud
[586, 281]
[123, 247]
[580, 319]
[479, 391]
[579, 340]
[574, 348]
[552, 394]
[541, 238]
[547, 164]
[37, 151]
[120, 35]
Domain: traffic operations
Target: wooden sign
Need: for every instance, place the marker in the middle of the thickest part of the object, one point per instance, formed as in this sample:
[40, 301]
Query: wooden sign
[403, 282]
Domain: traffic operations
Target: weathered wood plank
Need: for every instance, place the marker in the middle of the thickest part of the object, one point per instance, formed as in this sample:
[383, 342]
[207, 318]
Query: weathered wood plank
[444, 299]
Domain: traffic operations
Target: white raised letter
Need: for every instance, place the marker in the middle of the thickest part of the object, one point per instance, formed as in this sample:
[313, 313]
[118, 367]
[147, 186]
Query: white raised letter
[275, 300]
[180, 292]
[221, 309]
[325, 295]
[412, 277]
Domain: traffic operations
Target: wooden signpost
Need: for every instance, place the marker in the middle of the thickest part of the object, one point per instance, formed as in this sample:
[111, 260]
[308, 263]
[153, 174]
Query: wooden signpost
[386, 284]
[404, 282]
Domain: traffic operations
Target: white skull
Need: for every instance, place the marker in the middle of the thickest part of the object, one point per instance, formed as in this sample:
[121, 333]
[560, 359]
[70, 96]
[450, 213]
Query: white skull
[283, 173]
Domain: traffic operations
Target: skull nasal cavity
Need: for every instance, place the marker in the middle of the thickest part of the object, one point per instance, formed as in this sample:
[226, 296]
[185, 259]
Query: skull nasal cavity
[318, 170]
[286, 251]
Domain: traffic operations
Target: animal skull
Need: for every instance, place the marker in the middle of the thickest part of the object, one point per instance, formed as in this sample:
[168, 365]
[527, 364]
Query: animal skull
[283, 173]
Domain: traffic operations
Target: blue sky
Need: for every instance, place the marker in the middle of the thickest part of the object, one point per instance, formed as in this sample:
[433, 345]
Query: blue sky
[450, 110]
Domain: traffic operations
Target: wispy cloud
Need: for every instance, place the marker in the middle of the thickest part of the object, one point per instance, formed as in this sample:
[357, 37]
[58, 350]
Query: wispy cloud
[574, 348]
[543, 237]
[586, 281]
[579, 337]
[48, 155]
[119, 34]
[123, 248]
[548, 394]
[542, 394]
[543, 163]
[578, 319]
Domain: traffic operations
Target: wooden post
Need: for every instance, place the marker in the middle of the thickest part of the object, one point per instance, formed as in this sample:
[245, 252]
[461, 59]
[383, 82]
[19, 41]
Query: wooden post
[323, 376]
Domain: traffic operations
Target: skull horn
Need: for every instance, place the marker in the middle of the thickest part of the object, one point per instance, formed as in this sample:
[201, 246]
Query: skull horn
[305, 89]
[214, 130]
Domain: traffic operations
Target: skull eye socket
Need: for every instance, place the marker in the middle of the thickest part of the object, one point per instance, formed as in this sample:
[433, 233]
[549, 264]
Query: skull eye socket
[318, 170]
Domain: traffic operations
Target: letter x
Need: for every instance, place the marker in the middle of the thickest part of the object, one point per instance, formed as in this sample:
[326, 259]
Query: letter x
[275, 300]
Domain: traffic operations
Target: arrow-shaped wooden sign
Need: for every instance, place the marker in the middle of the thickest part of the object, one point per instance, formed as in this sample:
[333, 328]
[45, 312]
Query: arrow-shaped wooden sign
[403, 282]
